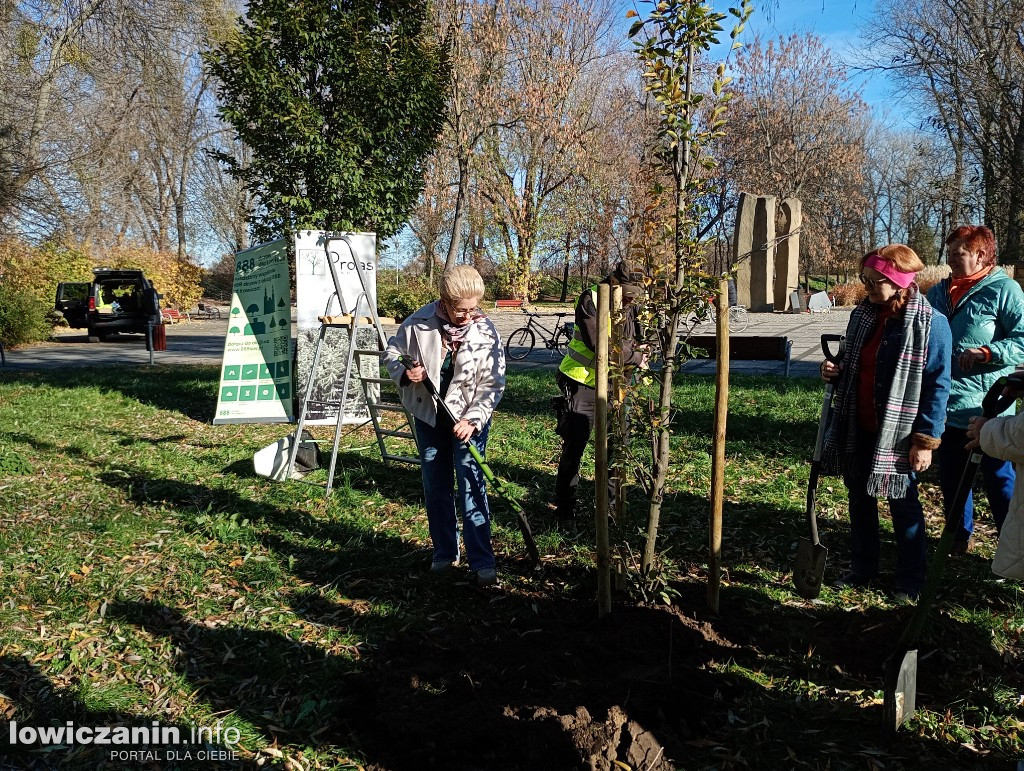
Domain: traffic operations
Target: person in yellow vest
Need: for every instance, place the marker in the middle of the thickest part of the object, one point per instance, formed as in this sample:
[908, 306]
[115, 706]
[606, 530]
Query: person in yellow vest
[576, 380]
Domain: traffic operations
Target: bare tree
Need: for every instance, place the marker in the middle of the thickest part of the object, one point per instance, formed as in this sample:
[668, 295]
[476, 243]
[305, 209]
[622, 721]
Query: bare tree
[963, 60]
[552, 86]
[478, 34]
[799, 130]
[104, 110]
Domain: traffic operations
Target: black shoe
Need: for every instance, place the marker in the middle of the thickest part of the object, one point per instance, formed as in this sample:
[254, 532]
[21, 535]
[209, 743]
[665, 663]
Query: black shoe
[962, 547]
[851, 580]
[565, 510]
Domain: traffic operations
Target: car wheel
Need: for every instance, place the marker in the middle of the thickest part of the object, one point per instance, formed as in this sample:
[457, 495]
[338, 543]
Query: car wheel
[95, 337]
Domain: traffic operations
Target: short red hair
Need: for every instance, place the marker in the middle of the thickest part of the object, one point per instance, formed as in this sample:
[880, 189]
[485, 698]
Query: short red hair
[975, 238]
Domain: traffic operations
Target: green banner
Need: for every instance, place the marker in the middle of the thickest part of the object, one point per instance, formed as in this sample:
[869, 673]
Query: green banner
[256, 373]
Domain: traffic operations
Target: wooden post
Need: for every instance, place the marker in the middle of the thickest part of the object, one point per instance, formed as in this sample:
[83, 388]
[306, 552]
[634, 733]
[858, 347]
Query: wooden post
[718, 454]
[617, 397]
[604, 579]
[618, 412]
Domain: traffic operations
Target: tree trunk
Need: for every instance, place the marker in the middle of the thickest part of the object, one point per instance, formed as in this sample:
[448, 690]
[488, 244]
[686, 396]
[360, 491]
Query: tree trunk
[1012, 241]
[460, 212]
[565, 269]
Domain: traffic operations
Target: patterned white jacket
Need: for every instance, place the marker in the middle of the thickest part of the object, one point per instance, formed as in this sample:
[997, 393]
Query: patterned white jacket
[478, 381]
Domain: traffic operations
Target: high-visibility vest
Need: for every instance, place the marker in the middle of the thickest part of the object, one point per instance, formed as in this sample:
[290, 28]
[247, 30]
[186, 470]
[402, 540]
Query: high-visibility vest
[578, 362]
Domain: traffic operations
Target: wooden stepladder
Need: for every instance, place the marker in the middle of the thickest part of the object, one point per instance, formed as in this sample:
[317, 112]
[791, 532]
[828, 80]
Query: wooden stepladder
[362, 315]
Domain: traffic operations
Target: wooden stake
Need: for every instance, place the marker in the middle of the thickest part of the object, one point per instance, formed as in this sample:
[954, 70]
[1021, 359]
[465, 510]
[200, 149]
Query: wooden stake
[617, 407]
[604, 580]
[718, 455]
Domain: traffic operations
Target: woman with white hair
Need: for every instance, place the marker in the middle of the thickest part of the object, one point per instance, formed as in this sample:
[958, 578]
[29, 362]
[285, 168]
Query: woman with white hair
[456, 347]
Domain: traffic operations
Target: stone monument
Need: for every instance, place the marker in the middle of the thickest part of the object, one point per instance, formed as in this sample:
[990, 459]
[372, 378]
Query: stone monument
[787, 254]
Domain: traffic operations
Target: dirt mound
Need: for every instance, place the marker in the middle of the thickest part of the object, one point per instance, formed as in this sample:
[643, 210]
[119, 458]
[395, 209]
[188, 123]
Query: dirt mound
[559, 691]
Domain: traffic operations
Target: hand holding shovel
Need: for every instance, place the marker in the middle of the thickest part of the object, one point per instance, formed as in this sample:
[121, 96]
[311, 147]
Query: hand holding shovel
[809, 565]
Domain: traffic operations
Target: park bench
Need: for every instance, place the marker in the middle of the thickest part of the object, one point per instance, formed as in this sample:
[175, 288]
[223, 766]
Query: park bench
[747, 348]
[204, 311]
[172, 315]
[508, 304]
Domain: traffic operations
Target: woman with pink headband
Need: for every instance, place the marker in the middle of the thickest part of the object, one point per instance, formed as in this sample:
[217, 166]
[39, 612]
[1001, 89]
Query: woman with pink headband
[888, 416]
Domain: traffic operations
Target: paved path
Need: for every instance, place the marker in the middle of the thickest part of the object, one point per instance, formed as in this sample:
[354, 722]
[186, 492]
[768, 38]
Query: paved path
[804, 329]
[188, 342]
[202, 342]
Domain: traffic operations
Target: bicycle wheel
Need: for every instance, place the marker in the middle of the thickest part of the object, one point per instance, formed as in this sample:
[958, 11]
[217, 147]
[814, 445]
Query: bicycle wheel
[738, 318]
[520, 343]
[562, 338]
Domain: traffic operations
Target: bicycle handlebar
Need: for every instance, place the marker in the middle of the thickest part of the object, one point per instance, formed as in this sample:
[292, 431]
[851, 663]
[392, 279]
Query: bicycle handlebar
[534, 314]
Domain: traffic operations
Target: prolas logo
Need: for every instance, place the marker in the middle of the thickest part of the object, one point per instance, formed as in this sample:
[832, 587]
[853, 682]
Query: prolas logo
[349, 264]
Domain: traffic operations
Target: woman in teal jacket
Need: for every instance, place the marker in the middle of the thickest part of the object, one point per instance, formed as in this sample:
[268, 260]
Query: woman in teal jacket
[985, 308]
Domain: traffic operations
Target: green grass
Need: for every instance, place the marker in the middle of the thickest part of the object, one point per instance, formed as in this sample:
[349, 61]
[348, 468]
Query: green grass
[147, 573]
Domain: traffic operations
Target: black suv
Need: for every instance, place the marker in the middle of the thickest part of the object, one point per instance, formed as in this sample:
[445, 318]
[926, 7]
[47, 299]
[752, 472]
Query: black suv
[115, 301]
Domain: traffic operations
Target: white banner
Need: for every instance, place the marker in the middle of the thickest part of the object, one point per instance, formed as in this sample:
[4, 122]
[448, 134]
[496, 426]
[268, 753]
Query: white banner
[256, 373]
[314, 290]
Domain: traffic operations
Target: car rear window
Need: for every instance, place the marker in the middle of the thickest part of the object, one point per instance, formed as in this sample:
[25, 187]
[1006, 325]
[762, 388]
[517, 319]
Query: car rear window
[74, 292]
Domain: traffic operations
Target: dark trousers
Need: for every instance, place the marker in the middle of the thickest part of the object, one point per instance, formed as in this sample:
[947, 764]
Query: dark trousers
[575, 431]
[998, 477]
[907, 525]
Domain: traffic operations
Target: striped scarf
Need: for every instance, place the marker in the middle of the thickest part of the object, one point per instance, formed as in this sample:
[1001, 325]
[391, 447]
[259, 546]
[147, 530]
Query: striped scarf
[889, 476]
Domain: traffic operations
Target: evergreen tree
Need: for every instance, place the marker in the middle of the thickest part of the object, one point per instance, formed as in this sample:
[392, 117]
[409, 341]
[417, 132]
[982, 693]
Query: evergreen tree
[339, 103]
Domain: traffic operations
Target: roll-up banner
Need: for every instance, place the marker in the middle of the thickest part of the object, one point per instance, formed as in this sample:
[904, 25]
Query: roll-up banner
[256, 372]
[315, 297]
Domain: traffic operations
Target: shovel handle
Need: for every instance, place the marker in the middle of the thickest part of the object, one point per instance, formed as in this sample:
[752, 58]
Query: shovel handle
[826, 340]
[994, 403]
[995, 400]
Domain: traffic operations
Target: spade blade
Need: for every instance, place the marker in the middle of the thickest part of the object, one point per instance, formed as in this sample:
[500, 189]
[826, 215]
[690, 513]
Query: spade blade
[809, 568]
[900, 700]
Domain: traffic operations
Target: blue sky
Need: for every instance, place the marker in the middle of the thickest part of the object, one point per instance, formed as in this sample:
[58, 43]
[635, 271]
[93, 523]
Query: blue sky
[838, 23]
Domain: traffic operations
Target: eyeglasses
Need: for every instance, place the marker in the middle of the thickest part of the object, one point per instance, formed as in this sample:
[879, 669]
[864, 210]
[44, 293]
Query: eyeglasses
[874, 283]
[453, 311]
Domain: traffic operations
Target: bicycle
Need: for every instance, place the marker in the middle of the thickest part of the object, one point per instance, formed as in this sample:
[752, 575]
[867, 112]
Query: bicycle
[738, 317]
[521, 342]
[707, 312]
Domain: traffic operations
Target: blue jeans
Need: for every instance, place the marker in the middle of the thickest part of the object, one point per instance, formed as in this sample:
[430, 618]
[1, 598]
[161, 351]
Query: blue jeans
[441, 457]
[907, 525]
[998, 476]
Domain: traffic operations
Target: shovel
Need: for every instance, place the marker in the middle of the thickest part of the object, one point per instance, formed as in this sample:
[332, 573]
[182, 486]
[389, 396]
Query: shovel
[809, 565]
[901, 667]
[498, 484]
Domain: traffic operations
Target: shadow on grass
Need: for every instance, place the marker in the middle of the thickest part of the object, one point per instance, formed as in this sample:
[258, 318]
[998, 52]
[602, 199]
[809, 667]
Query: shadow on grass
[31, 441]
[530, 677]
[33, 701]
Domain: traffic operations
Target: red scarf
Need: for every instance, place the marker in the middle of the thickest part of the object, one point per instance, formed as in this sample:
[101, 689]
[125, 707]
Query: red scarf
[958, 287]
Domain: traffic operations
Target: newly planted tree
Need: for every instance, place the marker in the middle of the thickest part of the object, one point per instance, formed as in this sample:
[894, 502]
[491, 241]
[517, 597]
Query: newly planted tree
[691, 105]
